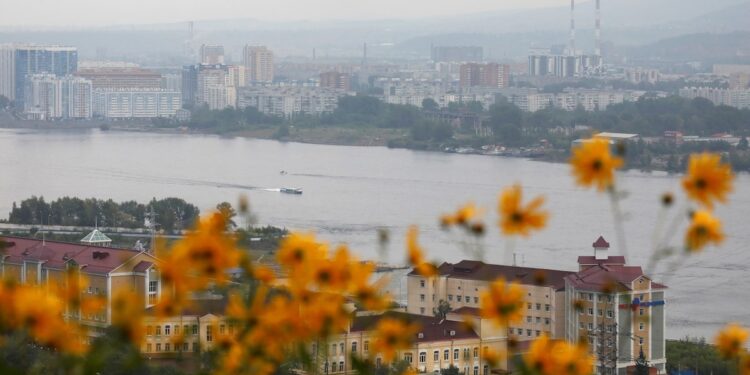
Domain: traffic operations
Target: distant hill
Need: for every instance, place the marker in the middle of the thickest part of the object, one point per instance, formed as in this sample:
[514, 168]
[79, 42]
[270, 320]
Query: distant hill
[706, 47]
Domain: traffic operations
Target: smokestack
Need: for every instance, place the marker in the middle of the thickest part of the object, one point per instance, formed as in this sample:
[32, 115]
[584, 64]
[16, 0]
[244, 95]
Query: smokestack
[572, 27]
[598, 51]
[364, 57]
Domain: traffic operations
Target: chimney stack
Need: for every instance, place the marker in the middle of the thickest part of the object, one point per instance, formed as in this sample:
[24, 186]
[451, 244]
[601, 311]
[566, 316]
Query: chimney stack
[572, 27]
[598, 51]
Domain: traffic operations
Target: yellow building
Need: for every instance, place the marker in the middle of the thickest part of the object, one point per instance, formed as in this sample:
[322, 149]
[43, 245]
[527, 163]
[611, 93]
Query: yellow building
[461, 285]
[108, 270]
[438, 344]
[617, 309]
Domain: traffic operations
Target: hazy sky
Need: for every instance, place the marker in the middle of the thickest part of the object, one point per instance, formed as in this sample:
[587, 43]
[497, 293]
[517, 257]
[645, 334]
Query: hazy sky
[76, 13]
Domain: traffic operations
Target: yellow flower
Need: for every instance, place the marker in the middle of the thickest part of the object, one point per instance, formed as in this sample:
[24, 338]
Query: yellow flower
[704, 229]
[393, 335]
[416, 254]
[707, 179]
[127, 315]
[502, 302]
[517, 219]
[298, 249]
[731, 341]
[594, 165]
[547, 357]
[461, 217]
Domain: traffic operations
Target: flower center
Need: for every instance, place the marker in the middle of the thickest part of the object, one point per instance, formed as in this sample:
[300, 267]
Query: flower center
[516, 217]
[701, 183]
[597, 165]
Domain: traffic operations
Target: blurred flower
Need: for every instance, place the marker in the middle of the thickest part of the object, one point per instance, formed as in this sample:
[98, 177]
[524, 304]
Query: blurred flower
[707, 179]
[516, 219]
[594, 165]
[547, 357]
[416, 254]
[298, 250]
[393, 335]
[127, 315]
[502, 302]
[730, 341]
[704, 229]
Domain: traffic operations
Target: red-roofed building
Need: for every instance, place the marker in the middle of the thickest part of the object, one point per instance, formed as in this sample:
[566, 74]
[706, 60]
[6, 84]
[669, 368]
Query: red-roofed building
[617, 309]
[461, 285]
[438, 344]
[108, 270]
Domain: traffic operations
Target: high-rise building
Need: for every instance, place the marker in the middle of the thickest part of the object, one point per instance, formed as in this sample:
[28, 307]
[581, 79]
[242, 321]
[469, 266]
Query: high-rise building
[136, 103]
[121, 78]
[19, 61]
[336, 80]
[189, 84]
[212, 54]
[47, 97]
[258, 61]
[214, 87]
[171, 82]
[485, 75]
[237, 75]
[457, 54]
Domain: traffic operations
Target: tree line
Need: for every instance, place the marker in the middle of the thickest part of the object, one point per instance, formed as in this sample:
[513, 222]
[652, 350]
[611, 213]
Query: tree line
[172, 214]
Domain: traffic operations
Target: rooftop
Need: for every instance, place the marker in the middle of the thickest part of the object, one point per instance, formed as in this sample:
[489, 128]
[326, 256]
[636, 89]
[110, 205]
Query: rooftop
[609, 276]
[477, 270]
[431, 328]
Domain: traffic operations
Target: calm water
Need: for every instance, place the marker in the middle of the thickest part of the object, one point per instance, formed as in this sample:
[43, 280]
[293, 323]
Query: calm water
[350, 192]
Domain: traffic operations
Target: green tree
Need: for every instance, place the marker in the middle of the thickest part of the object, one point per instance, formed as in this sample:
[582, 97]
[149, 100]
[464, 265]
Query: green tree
[451, 370]
[743, 145]
[429, 104]
[229, 213]
[442, 310]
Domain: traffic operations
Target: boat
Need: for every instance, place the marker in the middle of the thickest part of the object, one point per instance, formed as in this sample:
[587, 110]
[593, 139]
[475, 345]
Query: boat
[291, 190]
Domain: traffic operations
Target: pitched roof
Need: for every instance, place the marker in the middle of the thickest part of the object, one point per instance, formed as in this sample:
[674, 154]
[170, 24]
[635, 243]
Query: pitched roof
[96, 237]
[431, 328]
[91, 258]
[200, 307]
[467, 310]
[476, 270]
[591, 260]
[600, 243]
[142, 266]
[601, 277]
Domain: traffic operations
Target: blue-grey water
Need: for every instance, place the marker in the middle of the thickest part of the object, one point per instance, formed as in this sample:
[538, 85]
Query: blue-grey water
[351, 192]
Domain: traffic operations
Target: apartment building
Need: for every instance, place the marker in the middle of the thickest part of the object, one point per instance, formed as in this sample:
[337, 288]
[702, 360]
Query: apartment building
[109, 271]
[336, 80]
[618, 310]
[462, 284]
[48, 97]
[485, 75]
[17, 61]
[136, 103]
[115, 78]
[290, 101]
[738, 98]
[438, 344]
[212, 54]
[258, 60]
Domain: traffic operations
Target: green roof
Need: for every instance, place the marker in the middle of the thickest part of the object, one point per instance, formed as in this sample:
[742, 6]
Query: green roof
[96, 237]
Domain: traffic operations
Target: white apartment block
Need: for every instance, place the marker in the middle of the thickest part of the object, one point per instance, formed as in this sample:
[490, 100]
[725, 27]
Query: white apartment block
[738, 98]
[48, 97]
[290, 101]
[136, 103]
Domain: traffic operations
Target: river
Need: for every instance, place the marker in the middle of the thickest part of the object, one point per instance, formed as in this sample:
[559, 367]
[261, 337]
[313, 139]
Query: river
[351, 192]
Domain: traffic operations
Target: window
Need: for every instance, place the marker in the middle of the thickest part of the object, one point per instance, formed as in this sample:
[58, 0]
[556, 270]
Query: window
[641, 326]
[366, 346]
[341, 366]
[538, 333]
[333, 349]
[421, 283]
[476, 300]
[591, 296]
[528, 306]
[528, 332]
[610, 314]
[195, 329]
[185, 329]
[354, 346]
[436, 356]
[546, 307]
[176, 330]
[377, 362]
[341, 348]
[166, 330]
[222, 329]
[486, 370]
[640, 312]
[528, 319]
[158, 331]
[167, 347]
[455, 354]
[149, 331]
[158, 347]
[408, 358]
[433, 298]
[446, 355]
[599, 312]
[538, 306]
[476, 370]
[185, 346]
[231, 329]
[546, 321]
[640, 340]
[580, 325]
[476, 352]
[422, 357]
[421, 310]
[421, 297]
[195, 347]
[450, 297]
[209, 333]
[148, 348]
[458, 298]
[591, 311]
[152, 286]
[538, 320]
[520, 331]
[591, 326]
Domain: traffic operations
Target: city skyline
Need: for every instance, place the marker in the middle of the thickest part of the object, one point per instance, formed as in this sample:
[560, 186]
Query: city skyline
[79, 13]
